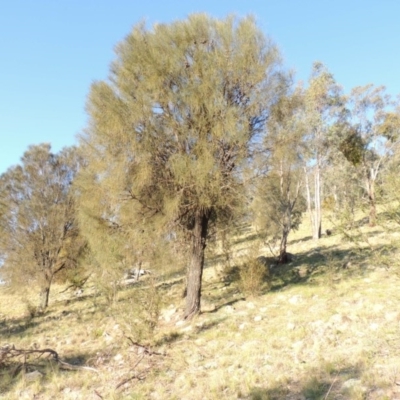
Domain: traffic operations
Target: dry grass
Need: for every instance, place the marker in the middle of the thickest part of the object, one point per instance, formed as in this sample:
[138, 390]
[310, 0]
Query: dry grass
[329, 328]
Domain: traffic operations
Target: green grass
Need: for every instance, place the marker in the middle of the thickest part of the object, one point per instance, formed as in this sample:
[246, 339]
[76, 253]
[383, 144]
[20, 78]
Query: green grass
[328, 328]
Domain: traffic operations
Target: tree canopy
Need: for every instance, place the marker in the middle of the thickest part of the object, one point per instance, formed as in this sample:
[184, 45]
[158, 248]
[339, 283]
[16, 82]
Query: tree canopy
[173, 130]
[39, 235]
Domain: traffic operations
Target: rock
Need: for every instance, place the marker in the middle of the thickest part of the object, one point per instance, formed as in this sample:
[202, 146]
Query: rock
[229, 309]
[257, 318]
[353, 384]
[208, 307]
[211, 365]
[374, 326]
[168, 313]
[295, 299]
[291, 326]
[33, 376]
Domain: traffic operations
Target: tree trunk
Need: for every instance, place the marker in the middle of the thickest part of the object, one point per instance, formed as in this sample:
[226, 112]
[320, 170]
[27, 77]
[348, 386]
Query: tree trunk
[195, 270]
[309, 208]
[44, 297]
[45, 292]
[372, 204]
[283, 259]
[317, 196]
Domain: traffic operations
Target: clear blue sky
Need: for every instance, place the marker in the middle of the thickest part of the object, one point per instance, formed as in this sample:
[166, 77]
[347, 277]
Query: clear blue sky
[51, 51]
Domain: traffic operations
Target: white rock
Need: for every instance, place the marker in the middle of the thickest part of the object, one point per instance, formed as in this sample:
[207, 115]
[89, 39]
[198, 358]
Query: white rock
[257, 318]
[291, 326]
[294, 299]
[33, 376]
[374, 326]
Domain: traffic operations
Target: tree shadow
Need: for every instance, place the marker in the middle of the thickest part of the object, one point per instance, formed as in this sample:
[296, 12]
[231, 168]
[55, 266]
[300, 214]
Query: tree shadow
[223, 305]
[337, 383]
[17, 326]
[169, 338]
[207, 325]
[323, 260]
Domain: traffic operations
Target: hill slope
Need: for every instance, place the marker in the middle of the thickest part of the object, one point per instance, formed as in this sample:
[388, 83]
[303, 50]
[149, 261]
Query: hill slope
[328, 329]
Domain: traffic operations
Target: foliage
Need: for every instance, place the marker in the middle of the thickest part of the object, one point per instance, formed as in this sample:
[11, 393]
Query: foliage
[170, 137]
[39, 231]
[139, 321]
[254, 275]
[323, 108]
[373, 136]
[352, 147]
[278, 203]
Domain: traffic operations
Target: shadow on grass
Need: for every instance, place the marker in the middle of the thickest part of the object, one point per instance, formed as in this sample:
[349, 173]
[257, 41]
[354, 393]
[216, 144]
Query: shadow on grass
[169, 338]
[310, 267]
[228, 303]
[248, 238]
[17, 326]
[341, 383]
[205, 326]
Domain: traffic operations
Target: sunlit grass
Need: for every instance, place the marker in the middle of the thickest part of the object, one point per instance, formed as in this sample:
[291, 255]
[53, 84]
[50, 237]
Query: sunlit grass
[329, 327]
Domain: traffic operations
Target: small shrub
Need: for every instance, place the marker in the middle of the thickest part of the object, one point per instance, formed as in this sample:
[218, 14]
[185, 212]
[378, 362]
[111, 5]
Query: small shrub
[253, 277]
[31, 310]
[139, 320]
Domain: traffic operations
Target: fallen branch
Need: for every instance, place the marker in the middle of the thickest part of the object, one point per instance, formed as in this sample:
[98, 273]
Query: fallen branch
[10, 353]
[133, 376]
[145, 349]
[77, 285]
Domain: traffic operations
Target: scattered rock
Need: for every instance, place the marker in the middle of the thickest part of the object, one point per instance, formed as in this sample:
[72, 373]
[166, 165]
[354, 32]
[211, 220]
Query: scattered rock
[168, 313]
[33, 376]
[353, 384]
[229, 309]
[295, 299]
[374, 326]
[291, 326]
[208, 307]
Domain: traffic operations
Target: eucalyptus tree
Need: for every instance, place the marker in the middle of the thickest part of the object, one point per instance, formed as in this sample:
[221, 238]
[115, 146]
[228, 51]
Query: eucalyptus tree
[278, 203]
[323, 107]
[371, 135]
[39, 232]
[171, 133]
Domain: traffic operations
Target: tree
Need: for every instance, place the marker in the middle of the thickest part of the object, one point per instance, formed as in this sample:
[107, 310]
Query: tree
[278, 201]
[370, 136]
[171, 134]
[323, 105]
[39, 232]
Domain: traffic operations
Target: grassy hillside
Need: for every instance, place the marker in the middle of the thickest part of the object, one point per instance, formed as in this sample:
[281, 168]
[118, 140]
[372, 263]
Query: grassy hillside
[329, 328]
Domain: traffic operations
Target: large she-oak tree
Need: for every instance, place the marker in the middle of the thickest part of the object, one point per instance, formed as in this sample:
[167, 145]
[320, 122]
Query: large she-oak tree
[171, 133]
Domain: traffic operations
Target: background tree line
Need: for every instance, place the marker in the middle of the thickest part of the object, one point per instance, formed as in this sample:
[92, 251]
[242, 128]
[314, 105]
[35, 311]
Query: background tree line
[198, 129]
